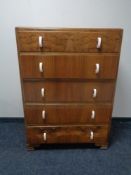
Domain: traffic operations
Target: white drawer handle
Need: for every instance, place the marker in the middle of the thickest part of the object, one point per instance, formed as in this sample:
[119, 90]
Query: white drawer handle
[99, 40]
[94, 93]
[40, 40]
[42, 92]
[44, 136]
[41, 67]
[93, 113]
[91, 135]
[43, 114]
[97, 68]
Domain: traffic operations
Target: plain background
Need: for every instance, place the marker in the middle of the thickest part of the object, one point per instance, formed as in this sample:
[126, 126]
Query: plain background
[61, 13]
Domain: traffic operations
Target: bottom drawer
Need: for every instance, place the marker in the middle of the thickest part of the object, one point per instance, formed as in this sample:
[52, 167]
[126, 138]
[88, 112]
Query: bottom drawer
[67, 134]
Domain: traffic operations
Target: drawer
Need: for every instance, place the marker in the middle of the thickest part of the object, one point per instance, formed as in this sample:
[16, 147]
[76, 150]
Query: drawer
[58, 91]
[69, 41]
[67, 134]
[85, 66]
[67, 114]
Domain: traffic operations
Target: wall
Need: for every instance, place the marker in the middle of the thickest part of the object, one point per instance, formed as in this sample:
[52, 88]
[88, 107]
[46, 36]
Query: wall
[60, 13]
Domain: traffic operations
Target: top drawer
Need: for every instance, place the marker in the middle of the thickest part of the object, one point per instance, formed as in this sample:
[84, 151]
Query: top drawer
[69, 40]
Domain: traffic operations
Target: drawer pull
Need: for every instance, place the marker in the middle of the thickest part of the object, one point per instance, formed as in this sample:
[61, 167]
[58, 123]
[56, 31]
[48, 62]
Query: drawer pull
[98, 46]
[41, 67]
[40, 40]
[97, 68]
[43, 114]
[94, 93]
[42, 92]
[93, 113]
[44, 136]
[91, 135]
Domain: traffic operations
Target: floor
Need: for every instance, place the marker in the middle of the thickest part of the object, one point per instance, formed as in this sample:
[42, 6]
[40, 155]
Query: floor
[15, 159]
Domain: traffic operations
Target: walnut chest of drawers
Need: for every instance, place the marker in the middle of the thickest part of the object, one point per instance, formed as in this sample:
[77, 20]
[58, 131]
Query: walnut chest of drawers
[68, 79]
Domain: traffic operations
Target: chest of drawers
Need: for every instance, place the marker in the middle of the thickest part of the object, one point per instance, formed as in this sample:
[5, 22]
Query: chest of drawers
[68, 79]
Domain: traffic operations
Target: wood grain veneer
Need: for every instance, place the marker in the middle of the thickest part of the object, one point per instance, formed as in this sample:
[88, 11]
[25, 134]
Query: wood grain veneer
[69, 66]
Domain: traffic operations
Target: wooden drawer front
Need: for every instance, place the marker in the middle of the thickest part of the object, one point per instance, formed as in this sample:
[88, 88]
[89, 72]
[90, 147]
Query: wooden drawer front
[67, 114]
[69, 41]
[68, 91]
[69, 134]
[70, 66]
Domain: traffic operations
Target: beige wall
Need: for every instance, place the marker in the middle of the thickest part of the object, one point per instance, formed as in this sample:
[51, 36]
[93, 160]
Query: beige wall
[60, 13]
